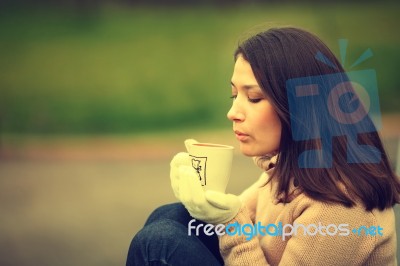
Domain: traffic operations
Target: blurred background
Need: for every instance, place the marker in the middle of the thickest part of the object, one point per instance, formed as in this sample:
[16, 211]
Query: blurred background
[96, 97]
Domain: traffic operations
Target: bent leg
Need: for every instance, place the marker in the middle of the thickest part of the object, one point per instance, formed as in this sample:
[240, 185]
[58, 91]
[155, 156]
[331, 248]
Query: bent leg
[166, 242]
[178, 213]
[173, 211]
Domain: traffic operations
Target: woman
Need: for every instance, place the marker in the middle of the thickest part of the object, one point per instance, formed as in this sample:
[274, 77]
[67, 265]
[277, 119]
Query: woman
[332, 195]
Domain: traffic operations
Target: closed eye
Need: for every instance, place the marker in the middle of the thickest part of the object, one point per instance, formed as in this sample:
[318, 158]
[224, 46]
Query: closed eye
[254, 100]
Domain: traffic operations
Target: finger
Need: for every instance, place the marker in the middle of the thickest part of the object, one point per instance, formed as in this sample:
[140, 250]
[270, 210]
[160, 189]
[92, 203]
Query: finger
[174, 171]
[179, 159]
[196, 190]
[184, 191]
[175, 187]
[220, 200]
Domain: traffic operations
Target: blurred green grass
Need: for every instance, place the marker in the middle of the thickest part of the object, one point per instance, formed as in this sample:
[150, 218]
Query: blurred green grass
[123, 70]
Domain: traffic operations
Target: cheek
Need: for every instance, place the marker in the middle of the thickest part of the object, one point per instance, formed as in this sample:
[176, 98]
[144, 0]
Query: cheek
[271, 131]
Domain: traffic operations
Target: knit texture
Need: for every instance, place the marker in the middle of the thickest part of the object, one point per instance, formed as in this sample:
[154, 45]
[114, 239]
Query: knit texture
[261, 205]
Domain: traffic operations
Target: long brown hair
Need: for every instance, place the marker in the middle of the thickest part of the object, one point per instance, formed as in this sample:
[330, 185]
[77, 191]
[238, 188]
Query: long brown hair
[280, 54]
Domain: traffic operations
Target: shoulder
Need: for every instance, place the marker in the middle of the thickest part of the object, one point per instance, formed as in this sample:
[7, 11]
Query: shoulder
[307, 208]
[374, 226]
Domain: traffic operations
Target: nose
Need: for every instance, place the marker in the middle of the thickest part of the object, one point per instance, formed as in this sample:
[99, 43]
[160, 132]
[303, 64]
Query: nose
[235, 114]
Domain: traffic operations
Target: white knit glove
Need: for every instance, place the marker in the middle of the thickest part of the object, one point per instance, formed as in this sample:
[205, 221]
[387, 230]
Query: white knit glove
[208, 206]
[179, 160]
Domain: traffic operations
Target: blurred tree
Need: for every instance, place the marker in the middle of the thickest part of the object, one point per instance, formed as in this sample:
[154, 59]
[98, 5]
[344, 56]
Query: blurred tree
[80, 5]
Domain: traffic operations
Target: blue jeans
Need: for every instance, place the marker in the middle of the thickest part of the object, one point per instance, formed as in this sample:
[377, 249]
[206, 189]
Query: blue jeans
[164, 240]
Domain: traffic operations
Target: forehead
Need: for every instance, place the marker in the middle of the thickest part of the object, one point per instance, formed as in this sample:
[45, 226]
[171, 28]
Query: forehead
[242, 73]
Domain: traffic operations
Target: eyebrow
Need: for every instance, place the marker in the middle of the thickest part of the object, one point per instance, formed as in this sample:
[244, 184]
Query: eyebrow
[247, 87]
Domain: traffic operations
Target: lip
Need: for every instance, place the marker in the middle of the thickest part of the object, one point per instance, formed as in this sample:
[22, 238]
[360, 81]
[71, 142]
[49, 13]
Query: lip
[241, 136]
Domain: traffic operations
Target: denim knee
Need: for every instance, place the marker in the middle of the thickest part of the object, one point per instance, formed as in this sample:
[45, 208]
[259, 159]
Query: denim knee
[166, 242]
[160, 231]
[173, 211]
[147, 241]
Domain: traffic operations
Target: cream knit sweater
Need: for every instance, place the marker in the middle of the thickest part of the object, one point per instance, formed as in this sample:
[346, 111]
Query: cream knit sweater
[260, 205]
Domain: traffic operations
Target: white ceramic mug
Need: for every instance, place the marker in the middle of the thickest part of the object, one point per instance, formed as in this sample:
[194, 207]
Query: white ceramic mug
[212, 162]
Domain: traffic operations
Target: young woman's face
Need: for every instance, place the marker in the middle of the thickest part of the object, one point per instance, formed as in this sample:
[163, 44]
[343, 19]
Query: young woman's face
[255, 122]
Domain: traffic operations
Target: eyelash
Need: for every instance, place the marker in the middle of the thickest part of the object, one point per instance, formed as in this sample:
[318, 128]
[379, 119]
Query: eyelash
[233, 97]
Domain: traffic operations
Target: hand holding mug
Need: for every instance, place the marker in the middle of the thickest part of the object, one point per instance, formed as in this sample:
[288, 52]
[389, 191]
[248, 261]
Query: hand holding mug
[207, 205]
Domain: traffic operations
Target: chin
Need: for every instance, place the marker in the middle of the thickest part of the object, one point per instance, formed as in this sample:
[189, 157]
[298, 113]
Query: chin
[249, 151]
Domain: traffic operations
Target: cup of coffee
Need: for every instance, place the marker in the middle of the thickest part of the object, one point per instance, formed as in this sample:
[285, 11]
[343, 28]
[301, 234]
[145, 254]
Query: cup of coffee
[212, 163]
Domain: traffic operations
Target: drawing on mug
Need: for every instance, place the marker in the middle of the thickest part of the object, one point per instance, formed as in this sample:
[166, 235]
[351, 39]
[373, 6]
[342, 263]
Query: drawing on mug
[199, 164]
